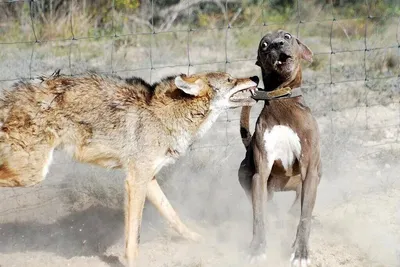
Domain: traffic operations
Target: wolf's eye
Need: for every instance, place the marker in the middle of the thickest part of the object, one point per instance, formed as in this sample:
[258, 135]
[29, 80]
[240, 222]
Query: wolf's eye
[230, 80]
[287, 36]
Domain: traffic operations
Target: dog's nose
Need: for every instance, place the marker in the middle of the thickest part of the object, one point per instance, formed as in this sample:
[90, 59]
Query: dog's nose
[278, 42]
[255, 79]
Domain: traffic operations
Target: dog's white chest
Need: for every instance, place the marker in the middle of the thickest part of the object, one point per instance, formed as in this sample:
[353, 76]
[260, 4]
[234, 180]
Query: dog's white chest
[281, 142]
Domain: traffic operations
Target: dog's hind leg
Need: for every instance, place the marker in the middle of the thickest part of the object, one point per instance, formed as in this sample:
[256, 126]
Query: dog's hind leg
[300, 256]
[294, 209]
[246, 172]
[259, 193]
[157, 197]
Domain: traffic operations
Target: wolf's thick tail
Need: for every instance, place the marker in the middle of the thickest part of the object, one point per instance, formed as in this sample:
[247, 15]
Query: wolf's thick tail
[245, 126]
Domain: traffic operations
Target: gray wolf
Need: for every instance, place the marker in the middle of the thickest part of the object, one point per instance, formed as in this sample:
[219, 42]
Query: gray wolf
[114, 123]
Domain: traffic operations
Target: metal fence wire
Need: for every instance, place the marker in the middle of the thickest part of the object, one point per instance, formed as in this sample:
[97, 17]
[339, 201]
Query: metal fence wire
[352, 88]
[342, 86]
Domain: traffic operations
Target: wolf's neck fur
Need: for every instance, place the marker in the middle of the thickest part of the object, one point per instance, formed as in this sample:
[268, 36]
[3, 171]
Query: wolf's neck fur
[186, 118]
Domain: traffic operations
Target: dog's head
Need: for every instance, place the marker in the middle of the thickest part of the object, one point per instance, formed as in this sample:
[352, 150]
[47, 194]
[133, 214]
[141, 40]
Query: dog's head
[280, 52]
[222, 90]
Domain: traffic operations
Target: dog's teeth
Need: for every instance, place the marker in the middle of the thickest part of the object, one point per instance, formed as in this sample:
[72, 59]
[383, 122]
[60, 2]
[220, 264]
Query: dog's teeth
[279, 62]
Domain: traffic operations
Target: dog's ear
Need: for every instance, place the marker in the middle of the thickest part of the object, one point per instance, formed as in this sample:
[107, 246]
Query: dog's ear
[305, 52]
[189, 85]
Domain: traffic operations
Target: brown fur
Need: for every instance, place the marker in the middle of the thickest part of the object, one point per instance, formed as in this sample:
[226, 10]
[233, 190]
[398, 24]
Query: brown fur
[113, 123]
[304, 174]
[8, 177]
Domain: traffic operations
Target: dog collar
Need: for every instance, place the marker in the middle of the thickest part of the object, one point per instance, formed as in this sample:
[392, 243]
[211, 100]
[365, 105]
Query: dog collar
[285, 92]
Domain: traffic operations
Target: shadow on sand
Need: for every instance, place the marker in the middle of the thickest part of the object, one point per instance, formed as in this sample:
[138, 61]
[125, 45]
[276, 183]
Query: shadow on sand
[85, 233]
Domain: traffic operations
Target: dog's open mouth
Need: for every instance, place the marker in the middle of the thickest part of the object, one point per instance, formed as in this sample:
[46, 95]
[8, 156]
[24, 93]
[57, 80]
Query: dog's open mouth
[283, 58]
[244, 94]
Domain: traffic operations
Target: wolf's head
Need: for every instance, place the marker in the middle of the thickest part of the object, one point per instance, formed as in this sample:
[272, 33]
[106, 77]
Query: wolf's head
[223, 90]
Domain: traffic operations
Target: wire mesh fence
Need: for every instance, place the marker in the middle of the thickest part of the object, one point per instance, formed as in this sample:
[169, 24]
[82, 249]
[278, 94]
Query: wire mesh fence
[352, 86]
[355, 68]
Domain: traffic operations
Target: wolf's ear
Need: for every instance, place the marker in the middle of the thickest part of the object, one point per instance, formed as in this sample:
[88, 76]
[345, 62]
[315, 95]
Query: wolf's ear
[189, 85]
[305, 52]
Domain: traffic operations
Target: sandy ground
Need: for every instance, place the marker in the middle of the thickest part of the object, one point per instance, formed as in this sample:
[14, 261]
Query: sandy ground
[75, 217]
[362, 232]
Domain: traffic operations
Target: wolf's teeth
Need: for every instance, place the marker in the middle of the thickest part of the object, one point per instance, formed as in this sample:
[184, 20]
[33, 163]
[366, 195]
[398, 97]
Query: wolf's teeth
[279, 62]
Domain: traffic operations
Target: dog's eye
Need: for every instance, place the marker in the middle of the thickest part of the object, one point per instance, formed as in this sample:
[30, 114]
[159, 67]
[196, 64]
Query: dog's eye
[264, 44]
[287, 36]
[230, 80]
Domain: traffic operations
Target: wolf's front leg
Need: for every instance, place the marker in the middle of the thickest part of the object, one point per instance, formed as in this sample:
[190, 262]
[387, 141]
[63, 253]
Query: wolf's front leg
[160, 201]
[136, 188]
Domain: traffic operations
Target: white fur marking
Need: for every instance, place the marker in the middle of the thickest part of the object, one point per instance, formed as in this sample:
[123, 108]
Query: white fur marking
[303, 262]
[47, 164]
[207, 123]
[161, 162]
[281, 142]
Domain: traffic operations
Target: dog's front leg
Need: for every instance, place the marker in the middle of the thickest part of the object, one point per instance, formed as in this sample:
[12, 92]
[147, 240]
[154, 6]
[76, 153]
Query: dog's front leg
[136, 188]
[160, 201]
[295, 208]
[259, 192]
[300, 256]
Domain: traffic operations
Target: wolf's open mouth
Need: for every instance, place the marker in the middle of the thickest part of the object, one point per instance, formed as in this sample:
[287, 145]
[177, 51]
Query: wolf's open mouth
[243, 94]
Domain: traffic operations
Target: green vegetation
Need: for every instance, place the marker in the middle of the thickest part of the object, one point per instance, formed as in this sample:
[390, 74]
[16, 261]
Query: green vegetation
[57, 19]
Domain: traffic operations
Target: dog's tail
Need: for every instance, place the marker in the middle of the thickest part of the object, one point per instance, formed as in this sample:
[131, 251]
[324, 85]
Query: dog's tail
[245, 126]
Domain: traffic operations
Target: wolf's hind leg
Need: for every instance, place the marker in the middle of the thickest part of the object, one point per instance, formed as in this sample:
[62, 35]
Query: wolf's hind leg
[22, 167]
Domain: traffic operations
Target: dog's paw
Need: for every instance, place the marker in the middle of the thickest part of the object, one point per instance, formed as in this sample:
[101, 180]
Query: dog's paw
[255, 259]
[299, 262]
[257, 252]
[300, 257]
